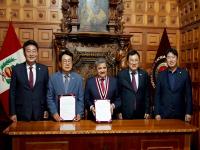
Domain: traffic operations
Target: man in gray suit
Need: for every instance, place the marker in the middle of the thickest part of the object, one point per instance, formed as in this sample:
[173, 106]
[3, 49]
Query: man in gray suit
[57, 86]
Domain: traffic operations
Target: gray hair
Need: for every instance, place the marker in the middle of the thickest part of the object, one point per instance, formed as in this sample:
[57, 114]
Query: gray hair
[100, 60]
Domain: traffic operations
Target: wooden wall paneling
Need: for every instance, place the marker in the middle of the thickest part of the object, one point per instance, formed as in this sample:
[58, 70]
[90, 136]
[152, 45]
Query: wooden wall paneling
[26, 34]
[28, 14]
[172, 39]
[137, 39]
[45, 56]
[45, 37]
[150, 55]
[3, 13]
[153, 39]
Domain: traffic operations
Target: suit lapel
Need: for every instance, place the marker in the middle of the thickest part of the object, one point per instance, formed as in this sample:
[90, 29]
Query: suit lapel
[71, 82]
[128, 79]
[140, 78]
[60, 81]
[24, 74]
[37, 74]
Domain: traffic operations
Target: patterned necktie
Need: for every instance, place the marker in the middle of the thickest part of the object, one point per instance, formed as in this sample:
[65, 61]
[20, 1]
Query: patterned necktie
[66, 83]
[31, 77]
[134, 82]
[102, 85]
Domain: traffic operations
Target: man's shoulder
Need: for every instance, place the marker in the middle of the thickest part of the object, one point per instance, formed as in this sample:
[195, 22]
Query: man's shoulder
[142, 71]
[18, 66]
[76, 75]
[122, 72]
[41, 65]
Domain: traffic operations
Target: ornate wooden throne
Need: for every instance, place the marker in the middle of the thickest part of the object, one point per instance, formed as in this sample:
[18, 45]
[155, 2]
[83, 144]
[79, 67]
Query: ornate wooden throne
[86, 44]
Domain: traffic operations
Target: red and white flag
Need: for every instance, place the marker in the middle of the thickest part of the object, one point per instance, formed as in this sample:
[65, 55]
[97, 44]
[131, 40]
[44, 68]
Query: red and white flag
[11, 54]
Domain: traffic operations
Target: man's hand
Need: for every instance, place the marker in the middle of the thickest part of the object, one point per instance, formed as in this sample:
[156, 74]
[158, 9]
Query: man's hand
[56, 117]
[14, 118]
[188, 118]
[92, 108]
[120, 116]
[46, 115]
[158, 117]
[146, 116]
[112, 107]
[77, 118]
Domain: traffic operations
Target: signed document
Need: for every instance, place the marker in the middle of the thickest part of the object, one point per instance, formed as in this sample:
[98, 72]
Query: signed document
[67, 107]
[102, 110]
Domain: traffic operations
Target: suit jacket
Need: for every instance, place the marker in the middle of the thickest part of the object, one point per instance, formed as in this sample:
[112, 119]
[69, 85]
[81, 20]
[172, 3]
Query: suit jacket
[176, 102]
[92, 93]
[26, 103]
[134, 104]
[56, 88]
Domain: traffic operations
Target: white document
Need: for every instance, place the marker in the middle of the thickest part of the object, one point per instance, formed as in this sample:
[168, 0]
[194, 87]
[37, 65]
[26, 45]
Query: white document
[102, 110]
[67, 107]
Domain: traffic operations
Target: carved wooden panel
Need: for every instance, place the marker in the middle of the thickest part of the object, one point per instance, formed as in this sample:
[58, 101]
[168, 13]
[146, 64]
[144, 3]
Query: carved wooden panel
[28, 3]
[26, 34]
[150, 56]
[28, 15]
[139, 6]
[172, 39]
[2, 34]
[41, 2]
[57, 145]
[189, 56]
[45, 56]
[161, 144]
[3, 14]
[139, 19]
[196, 55]
[136, 39]
[45, 37]
[151, 6]
[15, 14]
[153, 39]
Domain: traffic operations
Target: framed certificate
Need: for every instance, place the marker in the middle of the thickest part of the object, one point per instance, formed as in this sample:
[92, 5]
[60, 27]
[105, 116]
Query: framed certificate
[67, 107]
[102, 110]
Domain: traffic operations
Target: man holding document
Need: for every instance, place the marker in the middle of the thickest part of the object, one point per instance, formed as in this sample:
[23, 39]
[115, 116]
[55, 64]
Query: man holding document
[65, 91]
[101, 95]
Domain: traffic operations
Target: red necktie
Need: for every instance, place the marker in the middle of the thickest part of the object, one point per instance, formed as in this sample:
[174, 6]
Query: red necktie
[134, 82]
[102, 85]
[31, 77]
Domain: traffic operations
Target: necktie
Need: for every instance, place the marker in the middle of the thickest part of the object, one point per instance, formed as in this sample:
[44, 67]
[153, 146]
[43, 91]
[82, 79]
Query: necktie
[31, 77]
[66, 83]
[102, 85]
[134, 82]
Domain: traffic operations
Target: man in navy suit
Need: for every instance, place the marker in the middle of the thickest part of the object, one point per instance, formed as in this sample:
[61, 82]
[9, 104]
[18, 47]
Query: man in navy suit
[28, 87]
[95, 90]
[134, 89]
[57, 87]
[173, 97]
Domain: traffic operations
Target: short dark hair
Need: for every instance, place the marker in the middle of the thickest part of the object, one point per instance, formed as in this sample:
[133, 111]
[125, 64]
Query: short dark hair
[65, 52]
[132, 52]
[173, 51]
[30, 42]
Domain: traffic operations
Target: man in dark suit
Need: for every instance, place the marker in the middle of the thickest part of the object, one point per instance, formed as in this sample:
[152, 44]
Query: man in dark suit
[101, 87]
[134, 89]
[57, 86]
[28, 87]
[173, 97]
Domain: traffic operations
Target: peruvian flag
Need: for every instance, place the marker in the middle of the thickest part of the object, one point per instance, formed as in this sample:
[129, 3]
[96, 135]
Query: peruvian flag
[11, 54]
